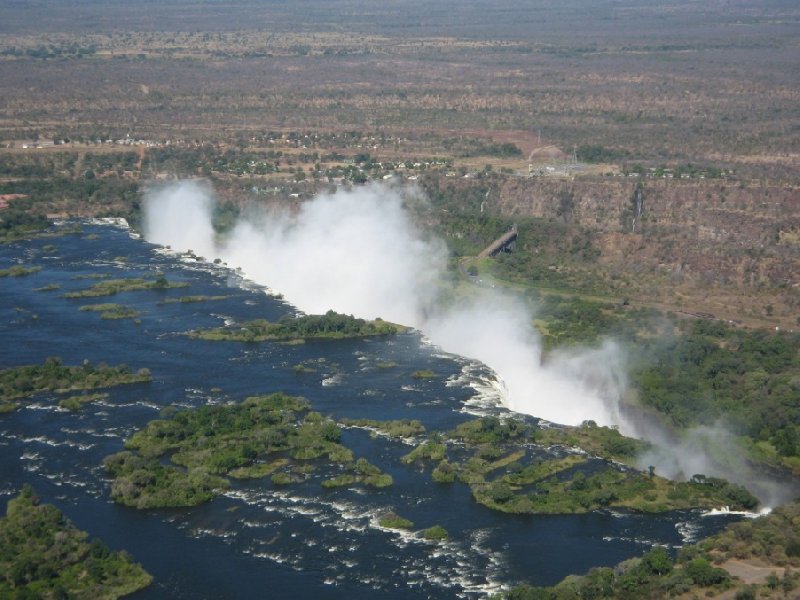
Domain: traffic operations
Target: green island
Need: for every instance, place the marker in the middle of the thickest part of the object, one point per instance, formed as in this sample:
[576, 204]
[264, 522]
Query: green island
[112, 311]
[48, 288]
[110, 287]
[497, 459]
[76, 402]
[424, 374]
[54, 376]
[19, 271]
[754, 558]
[436, 533]
[43, 555]
[331, 325]
[275, 435]
[603, 442]
[391, 520]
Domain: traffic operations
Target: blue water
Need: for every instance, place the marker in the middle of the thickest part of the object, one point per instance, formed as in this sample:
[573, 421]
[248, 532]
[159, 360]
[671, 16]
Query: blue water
[260, 540]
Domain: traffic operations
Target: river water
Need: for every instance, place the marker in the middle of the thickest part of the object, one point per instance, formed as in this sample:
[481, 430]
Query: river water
[260, 540]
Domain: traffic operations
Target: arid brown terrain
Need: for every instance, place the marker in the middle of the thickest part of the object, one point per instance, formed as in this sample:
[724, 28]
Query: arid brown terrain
[570, 107]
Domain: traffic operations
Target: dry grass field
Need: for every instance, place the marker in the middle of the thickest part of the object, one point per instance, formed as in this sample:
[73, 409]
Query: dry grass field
[696, 103]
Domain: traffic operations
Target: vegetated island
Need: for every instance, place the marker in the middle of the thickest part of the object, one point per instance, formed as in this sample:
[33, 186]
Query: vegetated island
[503, 463]
[111, 311]
[19, 271]
[331, 325]
[43, 555]
[275, 435]
[391, 520]
[110, 287]
[54, 376]
[754, 558]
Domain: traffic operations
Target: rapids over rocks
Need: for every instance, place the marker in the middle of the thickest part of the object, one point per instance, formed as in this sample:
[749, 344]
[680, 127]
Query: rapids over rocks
[257, 538]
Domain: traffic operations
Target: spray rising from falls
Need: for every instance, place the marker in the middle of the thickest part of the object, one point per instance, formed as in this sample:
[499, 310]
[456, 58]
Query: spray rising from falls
[358, 252]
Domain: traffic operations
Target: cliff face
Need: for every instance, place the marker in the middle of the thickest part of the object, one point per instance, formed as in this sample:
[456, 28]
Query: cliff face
[744, 215]
[723, 246]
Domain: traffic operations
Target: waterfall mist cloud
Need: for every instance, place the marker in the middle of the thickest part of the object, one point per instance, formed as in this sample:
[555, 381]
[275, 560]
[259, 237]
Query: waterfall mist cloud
[179, 215]
[358, 252]
[355, 252]
[711, 450]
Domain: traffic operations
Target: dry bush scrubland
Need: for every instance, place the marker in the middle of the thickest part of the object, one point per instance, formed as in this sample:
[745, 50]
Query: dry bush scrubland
[275, 102]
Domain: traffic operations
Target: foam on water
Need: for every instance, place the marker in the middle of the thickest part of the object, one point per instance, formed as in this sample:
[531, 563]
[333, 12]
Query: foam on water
[454, 567]
[333, 536]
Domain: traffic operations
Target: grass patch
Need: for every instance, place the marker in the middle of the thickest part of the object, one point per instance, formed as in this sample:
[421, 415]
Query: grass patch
[76, 402]
[392, 520]
[19, 271]
[111, 287]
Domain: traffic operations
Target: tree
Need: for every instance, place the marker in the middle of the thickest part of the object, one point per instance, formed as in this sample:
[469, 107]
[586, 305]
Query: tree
[657, 561]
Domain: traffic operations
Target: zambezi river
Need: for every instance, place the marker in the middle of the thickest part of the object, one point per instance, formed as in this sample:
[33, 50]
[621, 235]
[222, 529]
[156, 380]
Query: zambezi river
[260, 540]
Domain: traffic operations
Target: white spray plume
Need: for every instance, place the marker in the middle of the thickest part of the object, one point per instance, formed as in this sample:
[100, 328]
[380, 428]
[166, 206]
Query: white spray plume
[355, 252]
[179, 215]
[358, 252]
[712, 451]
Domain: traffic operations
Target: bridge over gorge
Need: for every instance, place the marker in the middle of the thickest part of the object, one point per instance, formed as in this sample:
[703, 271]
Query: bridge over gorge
[502, 244]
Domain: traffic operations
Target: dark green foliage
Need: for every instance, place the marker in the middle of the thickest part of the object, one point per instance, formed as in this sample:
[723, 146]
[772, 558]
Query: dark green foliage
[595, 153]
[103, 196]
[111, 287]
[435, 533]
[492, 457]
[601, 441]
[330, 325]
[433, 449]
[42, 555]
[253, 438]
[392, 520]
[736, 494]
[569, 321]
[25, 381]
[711, 371]
[19, 221]
[444, 473]
[146, 483]
[491, 430]
[574, 248]
[76, 402]
[112, 311]
[657, 561]
[704, 574]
